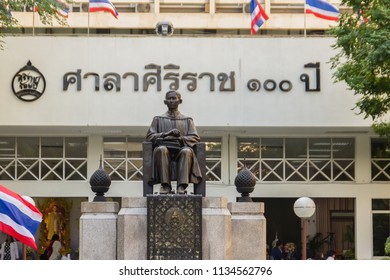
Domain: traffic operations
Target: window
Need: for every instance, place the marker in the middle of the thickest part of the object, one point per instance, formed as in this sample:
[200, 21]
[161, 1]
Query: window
[298, 159]
[213, 159]
[43, 158]
[123, 158]
[380, 160]
[380, 225]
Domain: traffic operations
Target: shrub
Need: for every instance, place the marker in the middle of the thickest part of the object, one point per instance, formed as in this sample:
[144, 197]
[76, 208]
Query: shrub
[387, 246]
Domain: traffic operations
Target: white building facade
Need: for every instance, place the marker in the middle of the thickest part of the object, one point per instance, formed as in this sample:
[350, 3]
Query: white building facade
[269, 103]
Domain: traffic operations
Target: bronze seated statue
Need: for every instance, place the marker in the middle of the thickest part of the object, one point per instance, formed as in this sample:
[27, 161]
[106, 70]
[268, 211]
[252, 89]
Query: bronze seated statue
[173, 151]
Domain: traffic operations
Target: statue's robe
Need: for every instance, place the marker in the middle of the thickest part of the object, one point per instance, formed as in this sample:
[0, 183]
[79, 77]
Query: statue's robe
[179, 150]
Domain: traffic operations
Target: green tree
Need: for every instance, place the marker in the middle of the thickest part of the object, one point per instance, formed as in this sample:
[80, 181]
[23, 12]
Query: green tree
[363, 60]
[46, 9]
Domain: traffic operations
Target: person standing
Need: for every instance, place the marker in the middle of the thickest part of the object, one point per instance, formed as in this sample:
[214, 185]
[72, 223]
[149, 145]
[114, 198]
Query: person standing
[9, 249]
[54, 248]
[277, 251]
[331, 255]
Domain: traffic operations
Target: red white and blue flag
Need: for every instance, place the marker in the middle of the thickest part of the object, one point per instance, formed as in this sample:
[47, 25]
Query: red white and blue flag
[18, 217]
[62, 8]
[322, 9]
[102, 6]
[4, 7]
[258, 16]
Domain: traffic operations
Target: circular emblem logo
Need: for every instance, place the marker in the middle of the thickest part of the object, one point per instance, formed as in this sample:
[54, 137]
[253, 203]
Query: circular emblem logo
[28, 84]
[174, 217]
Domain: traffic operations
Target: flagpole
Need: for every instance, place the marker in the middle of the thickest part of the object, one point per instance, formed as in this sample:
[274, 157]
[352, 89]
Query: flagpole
[34, 20]
[88, 19]
[304, 18]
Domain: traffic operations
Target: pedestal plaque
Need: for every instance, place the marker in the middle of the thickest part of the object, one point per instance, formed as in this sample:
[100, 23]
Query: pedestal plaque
[174, 227]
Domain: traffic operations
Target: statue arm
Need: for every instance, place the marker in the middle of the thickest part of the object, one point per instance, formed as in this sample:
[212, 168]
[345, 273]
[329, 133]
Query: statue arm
[153, 134]
[192, 136]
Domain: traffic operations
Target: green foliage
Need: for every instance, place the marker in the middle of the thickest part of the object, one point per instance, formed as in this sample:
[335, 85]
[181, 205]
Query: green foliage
[382, 129]
[316, 243]
[349, 237]
[387, 246]
[46, 9]
[363, 59]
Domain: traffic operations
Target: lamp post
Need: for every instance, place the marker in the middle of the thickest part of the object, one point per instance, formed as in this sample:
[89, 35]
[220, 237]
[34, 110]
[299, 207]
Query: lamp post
[304, 207]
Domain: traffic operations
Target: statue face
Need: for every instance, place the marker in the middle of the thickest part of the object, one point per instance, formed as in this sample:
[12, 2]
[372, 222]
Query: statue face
[172, 101]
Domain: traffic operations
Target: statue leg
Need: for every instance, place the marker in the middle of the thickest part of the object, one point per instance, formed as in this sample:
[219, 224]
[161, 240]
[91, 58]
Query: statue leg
[184, 163]
[162, 162]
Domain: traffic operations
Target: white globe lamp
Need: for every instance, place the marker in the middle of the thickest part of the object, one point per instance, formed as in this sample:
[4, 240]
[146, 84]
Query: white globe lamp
[304, 207]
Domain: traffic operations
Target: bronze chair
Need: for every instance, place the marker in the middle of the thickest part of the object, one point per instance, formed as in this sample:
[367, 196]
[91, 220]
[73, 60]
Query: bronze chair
[200, 152]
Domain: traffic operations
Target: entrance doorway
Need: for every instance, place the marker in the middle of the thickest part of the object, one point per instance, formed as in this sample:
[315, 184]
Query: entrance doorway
[330, 228]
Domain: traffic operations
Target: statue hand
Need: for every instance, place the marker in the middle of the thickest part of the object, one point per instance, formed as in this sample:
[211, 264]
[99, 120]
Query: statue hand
[175, 132]
[171, 138]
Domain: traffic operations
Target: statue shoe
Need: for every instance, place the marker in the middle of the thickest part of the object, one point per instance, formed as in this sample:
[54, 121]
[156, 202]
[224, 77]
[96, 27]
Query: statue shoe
[181, 190]
[165, 189]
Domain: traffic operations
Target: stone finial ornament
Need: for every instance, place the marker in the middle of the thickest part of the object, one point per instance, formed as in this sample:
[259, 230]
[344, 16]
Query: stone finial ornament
[100, 183]
[245, 183]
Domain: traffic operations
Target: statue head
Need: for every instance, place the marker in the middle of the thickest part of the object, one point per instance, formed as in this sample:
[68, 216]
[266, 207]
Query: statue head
[172, 99]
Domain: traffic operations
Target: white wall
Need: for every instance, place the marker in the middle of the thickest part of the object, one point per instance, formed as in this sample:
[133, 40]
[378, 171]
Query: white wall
[240, 111]
[271, 58]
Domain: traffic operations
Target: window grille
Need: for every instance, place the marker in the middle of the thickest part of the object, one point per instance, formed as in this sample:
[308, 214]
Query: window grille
[298, 159]
[43, 158]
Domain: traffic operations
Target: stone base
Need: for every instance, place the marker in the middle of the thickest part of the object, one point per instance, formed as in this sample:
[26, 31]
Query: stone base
[174, 227]
[248, 231]
[132, 229]
[234, 231]
[98, 234]
[236, 234]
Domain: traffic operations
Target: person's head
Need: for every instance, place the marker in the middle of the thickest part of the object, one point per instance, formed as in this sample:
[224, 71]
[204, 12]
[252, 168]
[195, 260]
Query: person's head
[55, 237]
[279, 244]
[10, 239]
[172, 99]
[331, 253]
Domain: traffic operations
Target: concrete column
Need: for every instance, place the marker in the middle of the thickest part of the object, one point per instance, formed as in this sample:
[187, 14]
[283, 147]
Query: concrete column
[95, 150]
[363, 227]
[210, 7]
[156, 6]
[98, 230]
[363, 159]
[248, 231]
[132, 229]
[216, 229]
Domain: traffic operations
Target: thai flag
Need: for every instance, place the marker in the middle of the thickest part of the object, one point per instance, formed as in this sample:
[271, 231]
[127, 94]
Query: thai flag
[322, 9]
[102, 6]
[18, 217]
[258, 16]
[62, 8]
[4, 5]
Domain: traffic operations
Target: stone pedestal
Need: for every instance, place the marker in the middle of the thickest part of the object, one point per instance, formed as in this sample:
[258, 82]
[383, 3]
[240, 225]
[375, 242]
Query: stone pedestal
[174, 227]
[248, 231]
[98, 234]
[132, 229]
[234, 231]
[216, 229]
